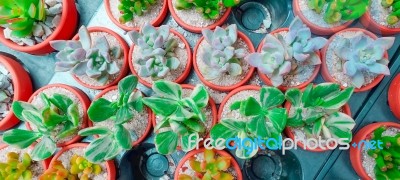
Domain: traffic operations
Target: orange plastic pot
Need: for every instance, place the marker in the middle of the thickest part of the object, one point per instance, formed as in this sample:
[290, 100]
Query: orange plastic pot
[324, 69]
[149, 123]
[154, 22]
[315, 28]
[110, 165]
[367, 21]
[221, 153]
[289, 133]
[235, 91]
[355, 152]
[22, 89]
[181, 78]
[45, 163]
[124, 68]
[83, 99]
[394, 96]
[64, 31]
[218, 87]
[267, 81]
[194, 29]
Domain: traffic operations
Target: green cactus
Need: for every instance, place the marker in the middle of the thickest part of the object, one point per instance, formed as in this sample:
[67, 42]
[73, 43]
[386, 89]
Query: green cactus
[131, 8]
[20, 15]
[394, 5]
[387, 159]
[15, 169]
[209, 8]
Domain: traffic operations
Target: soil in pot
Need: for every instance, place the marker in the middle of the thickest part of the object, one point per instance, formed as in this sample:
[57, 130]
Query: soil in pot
[379, 14]
[150, 15]
[41, 30]
[137, 126]
[38, 103]
[36, 167]
[6, 92]
[113, 42]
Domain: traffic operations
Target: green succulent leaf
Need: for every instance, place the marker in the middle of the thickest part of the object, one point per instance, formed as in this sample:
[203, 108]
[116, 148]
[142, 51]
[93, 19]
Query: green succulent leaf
[200, 96]
[101, 110]
[250, 107]
[271, 97]
[127, 85]
[94, 131]
[244, 153]
[113, 151]
[98, 149]
[232, 124]
[135, 101]
[49, 117]
[68, 130]
[296, 120]
[338, 100]
[178, 127]
[44, 149]
[181, 114]
[278, 118]
[62, 102]
[34, 118]
[19, 106]
[324, 90]
[257, 125]
[222, 131]
[20, 138]
[124, 114]
[195, 109]
[160, 106]
[294, 97]
[123, 137]
[162, 124]
[195, 125]
[307, 96]
[166, 142]
[189, 141]
[167, 89]
[340, 125]
[73, 114]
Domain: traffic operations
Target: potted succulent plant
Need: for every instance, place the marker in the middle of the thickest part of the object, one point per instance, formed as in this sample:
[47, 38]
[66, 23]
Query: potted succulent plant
[122, 123]
[196, 15]
[96, 57]
[326, 17]
[208, 164]
[394, 96]
[53, 116]
[250, 112]
[182, 112]
[15, 85]
[382, 17]
[219, 58]
[69, 163]
[356, 58]
[26, 168]
[29, 25]
[132, 14]
[288, 57]
[377, 162]
[319, 112]
[160, 53]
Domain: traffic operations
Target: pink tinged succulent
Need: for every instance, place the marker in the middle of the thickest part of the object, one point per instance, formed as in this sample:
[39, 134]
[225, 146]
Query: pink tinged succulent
[363, 54]
[219, 55]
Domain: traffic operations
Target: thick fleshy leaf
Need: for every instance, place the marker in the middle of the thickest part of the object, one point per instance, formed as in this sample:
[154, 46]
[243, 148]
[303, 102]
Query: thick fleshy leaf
[358, 80]
[295, 120]
[19, 106]
[325, 90]
[100, 110]
[166, 142]
[94, 131]
[294, 96]
[232, 124]
[34, 118]
[200, 96]
[254, 59]
[194, 108]
[124, 114]
[73, 114]
[167, 89]
[250, 107]
[257, 126]
[113, 151]
[178, 127]
[338, 100]
[127, 85]
[244, 153]
[123, 137]
[317, 128]
[68, 130]
[98, 149]
[278, 118]
[271, 97]
[341, 121]
[44, 149]
[20, 138]
[195, 125]
[181, 114]
[189, 141]
[223, 132]
[161, 106]
[84, 38]
[379, 69]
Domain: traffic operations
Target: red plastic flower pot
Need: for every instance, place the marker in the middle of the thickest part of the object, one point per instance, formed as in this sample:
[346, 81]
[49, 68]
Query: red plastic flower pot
[355, 152]
[123, 69]
[221, 153]
[323, 31]
[22, 88]
[181, 78]
[324, 69]
[367, 21]
[194, 29]
[267, 81]
[149, 112]
[290, 134]
[110, 165]
[83, 99]
[45, 163]
[154, 22]
[394, 96]
[218, 87]
[64, 31]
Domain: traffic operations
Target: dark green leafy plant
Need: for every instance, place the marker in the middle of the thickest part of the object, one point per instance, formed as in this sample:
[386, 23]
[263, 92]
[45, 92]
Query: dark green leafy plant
[112, 142]
[337, 10]
[394, 5]
[317, 110]
[20, 15]
[209, 8]
[131, 8]
[266, 120]
[59, 111]
[387, 159]
[182, 118]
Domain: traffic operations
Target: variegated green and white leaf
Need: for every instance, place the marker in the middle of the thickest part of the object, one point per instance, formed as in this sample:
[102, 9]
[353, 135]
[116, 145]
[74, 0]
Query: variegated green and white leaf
[189, 141]
[44, 149]
[200, 96]
[271, 97]
[166, 142]
[167, 89]
[294, 97]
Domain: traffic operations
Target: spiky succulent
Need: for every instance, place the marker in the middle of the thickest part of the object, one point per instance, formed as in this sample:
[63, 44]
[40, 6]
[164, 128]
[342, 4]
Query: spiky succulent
[266, 120]
[59, 112]
[82, 57]
[363, 54]
[394, 6]
[157, 57]
[387, 159]
[131, 8]
[13, 168]
[338, 10]
[182, 118]
[121, 111]
[212, 167]
[209, 8]
[20, 15]
[219, 55]
[317, 110]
